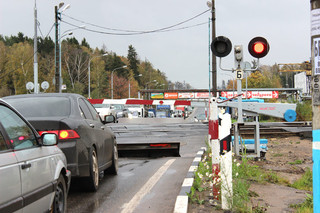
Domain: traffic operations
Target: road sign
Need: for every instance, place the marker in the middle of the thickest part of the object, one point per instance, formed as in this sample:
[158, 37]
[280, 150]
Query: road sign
[239, 74]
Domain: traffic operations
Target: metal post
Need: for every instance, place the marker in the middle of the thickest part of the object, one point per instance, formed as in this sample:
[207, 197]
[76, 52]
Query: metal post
[315, 58]
[239, 91]
[35, 51]
[56, 74]
[129, 87]
[60, 72]
[89, 95]
[112, 84]
[214, 60]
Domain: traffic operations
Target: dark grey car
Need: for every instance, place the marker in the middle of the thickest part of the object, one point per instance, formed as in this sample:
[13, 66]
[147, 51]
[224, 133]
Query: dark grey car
[89, 145]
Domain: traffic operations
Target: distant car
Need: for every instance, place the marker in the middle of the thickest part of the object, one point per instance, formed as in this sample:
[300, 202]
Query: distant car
[201, 118]
[89, 145]
[33, 171]
[103, 110]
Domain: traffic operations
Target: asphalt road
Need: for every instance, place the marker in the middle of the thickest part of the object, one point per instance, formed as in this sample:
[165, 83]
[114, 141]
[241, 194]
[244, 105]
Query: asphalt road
[144, 184]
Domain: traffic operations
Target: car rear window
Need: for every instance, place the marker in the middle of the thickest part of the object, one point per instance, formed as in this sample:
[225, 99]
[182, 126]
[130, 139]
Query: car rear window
[42, 106]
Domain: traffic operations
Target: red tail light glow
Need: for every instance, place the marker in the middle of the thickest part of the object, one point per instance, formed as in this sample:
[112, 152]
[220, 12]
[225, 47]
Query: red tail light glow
[161, 145]
[62, 134]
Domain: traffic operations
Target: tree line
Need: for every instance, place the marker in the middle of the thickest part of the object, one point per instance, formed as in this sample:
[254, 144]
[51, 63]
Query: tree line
[16, 68]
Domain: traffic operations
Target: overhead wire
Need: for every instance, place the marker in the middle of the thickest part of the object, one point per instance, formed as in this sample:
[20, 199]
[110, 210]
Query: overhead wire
[131, 32]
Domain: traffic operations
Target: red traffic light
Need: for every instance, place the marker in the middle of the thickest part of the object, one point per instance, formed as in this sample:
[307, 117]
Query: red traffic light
[258, 47]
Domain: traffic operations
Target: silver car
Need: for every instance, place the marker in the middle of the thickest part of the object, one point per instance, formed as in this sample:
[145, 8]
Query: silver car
[33, 173]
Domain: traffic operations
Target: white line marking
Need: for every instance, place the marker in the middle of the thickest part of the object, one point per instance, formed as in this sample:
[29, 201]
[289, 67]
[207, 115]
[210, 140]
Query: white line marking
[133, 203]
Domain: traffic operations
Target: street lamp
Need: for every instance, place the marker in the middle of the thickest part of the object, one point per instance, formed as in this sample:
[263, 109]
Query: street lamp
[146, 87]
[130, 79]
[89, 96]
[58, 37]
[112, 78]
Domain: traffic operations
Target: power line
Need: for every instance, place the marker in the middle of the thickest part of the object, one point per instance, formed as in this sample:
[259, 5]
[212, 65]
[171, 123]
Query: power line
[131, 32]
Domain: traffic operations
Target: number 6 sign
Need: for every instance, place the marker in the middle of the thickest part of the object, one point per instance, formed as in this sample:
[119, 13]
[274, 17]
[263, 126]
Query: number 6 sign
[239, 74]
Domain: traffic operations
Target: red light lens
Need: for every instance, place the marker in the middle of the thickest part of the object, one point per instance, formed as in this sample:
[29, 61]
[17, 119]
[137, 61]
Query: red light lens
[63, 134]
[258, 47]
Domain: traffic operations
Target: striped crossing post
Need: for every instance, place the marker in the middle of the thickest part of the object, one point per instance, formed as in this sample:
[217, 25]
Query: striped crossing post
[215, 146]
[316, 169]
[315, 59]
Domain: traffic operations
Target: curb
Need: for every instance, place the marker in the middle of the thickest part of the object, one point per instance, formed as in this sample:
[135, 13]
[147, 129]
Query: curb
[181, 205]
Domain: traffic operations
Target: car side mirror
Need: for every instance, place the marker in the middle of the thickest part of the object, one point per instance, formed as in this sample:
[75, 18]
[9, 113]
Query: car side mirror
[49, 139]
[109, 119]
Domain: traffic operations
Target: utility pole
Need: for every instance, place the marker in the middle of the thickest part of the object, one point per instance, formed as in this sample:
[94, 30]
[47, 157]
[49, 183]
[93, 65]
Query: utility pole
[57, 55]
[35, 51]
[214, 60]
[315, 58]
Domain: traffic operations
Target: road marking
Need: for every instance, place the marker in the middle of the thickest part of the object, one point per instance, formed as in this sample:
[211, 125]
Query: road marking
[133, 203]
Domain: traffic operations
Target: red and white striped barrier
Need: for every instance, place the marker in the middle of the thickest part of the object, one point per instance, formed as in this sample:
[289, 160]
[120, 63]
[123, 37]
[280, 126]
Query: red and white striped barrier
[215, 146]
[140, 102]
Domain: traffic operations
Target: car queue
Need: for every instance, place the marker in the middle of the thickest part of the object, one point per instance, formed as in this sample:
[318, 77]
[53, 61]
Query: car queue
[50, 138]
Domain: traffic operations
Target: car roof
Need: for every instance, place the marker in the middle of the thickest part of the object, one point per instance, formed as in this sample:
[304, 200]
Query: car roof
[45, 95]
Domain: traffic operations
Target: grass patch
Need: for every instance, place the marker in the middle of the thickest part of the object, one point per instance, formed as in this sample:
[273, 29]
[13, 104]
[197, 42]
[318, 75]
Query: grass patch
[295, 162]
[305, 182]
[277, 155]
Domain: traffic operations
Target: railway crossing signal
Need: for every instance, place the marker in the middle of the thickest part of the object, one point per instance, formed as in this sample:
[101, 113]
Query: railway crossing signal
[221, 46]
[258, 47]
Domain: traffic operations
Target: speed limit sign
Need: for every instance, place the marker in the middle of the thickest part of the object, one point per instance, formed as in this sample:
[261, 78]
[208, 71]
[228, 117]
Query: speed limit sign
[239, 74]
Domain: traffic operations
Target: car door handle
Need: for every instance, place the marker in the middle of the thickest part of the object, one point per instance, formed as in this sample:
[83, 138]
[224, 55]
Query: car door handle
[91, 125]
[26, 165]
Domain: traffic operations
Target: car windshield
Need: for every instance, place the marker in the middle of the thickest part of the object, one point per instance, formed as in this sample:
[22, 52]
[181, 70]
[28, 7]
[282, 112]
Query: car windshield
[42, 106]
[101, 105]
[118, 106]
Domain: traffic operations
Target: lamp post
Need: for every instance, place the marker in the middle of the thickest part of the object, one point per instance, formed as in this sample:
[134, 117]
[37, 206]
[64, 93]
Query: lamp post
[89, 95]
[58, 79]
[146, 87]
[112, 78]
[129, 82]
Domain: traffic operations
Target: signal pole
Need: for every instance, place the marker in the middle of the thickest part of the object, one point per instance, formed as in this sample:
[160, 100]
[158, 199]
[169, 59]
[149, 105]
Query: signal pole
[315, 58]
[57, 55]
[35, 51]
[214, 60]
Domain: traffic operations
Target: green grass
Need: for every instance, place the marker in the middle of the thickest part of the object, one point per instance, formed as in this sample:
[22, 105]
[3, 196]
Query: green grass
[305, 182]
[295, 162]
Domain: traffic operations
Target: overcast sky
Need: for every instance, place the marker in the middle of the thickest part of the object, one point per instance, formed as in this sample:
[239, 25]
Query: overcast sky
[181, 54]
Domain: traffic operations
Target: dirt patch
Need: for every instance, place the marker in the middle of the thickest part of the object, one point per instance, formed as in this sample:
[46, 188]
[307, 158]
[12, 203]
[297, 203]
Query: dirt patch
[288, 157]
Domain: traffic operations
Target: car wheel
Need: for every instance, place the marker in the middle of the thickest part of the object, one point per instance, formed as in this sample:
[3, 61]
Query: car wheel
[93, 180]
[114, 167]
[59, 204]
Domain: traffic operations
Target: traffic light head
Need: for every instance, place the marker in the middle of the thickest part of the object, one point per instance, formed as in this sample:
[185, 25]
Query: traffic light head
[221, 46]
[258, 47]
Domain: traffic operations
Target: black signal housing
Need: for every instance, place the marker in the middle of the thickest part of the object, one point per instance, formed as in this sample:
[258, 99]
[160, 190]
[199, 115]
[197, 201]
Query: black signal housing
[221, 46]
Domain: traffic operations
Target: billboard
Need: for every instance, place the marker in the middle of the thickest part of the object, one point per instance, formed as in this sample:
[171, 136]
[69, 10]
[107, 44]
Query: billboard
[252, 94]
[158, 95]
[170, 95]
[185, 95]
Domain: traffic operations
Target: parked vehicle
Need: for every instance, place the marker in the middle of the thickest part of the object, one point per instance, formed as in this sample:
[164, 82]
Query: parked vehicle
[201, 118]
[89, 145]
[33, 171]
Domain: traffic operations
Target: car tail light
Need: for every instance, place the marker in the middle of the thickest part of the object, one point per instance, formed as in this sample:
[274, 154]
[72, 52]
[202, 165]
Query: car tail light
[160, 145]
[62, 134]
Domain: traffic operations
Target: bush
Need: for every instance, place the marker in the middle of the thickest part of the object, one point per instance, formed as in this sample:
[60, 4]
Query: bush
[304, 111]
